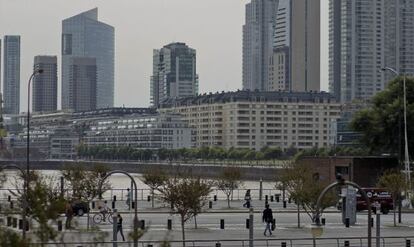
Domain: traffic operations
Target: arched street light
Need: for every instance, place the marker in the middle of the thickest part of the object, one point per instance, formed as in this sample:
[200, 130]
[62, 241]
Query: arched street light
[407, 167]
[341, 182]
[36, 71]
[136, 198]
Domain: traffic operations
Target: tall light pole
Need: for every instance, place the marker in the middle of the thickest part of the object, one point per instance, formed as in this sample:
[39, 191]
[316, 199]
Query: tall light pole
[36, 71]
[407, 168]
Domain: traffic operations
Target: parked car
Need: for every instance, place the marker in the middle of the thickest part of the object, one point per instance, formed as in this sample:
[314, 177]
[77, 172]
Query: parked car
[80, 208]
[377, 196]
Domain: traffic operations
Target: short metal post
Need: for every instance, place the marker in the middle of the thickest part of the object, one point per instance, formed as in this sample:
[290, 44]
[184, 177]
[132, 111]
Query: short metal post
[113, 204]
[251, 225]
[215, 197]
[347, 223]
[148, 198]
[247, 223]
[114, 228]
[114, 199]
[284, 204]
[261, 189]
[60, 226]
[407, 243]
[62, 187]
[378, 235]
[271, 198]
[283, 244]
[277, 198]
[142, 224]
[169, 224]
[218, 244]
[222, 224]
[346, 243]
[323, 221]
[210, 204]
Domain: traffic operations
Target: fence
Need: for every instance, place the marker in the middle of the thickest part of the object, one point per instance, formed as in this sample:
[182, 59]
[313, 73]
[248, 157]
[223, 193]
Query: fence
[303, 242]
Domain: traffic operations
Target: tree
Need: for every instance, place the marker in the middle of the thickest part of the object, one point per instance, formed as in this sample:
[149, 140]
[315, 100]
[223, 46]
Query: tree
[44, 203]
[83, 184]
[304, 187]
[394, 182]
[229, 180]
[154, 178]
[381, 123]
[9, 238]
[185, 194]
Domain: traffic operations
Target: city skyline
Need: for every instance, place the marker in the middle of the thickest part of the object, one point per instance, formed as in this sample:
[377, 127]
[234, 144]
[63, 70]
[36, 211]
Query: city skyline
[219, 59]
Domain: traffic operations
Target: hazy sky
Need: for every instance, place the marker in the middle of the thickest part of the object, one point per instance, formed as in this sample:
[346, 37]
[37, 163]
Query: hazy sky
[212, 27]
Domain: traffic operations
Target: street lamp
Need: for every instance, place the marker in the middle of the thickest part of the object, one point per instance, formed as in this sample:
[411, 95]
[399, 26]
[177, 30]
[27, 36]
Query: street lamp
[407, 168]
[36, 71]
[341, 182]
[136, 198]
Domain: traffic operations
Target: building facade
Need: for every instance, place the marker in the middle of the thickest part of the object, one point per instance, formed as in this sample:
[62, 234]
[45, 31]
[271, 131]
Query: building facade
[82, 83]
[366, 36]
[281, 45]
[45, 86]
[174, 73]
[84, 36]
[11, 74]
[253, 120]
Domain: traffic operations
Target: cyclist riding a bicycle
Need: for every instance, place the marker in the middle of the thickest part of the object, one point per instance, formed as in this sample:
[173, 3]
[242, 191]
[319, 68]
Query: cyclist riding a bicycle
[103, 209]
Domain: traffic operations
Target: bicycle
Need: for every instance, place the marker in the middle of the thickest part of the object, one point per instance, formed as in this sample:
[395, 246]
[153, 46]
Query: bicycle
[98, 217]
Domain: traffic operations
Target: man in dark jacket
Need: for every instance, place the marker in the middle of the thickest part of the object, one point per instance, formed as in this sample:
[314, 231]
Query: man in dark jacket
[268, 219]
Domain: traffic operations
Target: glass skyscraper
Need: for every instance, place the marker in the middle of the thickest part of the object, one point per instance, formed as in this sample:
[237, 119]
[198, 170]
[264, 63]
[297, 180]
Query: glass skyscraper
[11, 73]
[174, 73]
[84, 36]
[45, 85]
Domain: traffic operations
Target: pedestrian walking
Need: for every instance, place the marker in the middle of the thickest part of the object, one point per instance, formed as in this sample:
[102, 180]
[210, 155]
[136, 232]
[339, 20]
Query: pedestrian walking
[247, 198]
[119, 227]
[128, 198]
[69, 215]
[268, 219]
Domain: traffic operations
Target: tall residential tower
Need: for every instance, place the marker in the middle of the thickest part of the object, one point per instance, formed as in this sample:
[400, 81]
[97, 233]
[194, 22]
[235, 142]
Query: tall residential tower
[45, 85]
[281, 45]
[365, 36]
[174, 73]
[84, 36]
[11, 74]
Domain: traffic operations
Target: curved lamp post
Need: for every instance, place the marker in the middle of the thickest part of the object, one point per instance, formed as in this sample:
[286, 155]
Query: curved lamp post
[406, 154]
[136, 198]
[341, 182]
[27, 182]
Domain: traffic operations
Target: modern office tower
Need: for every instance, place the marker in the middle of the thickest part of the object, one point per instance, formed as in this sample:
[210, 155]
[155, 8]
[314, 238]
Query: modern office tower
[82, 83]
[44, 97]
[84, 36]
[258, 43]
[281, 45]
[174, 73]
[364, 37]
[11, 74]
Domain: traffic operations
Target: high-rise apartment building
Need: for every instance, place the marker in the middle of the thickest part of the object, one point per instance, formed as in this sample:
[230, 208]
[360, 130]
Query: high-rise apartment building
[11, 74]
[82, 78]
[174, 73]
[45, 84]
[365, 36]
[258, 43]
[281, 45]
[84, 36]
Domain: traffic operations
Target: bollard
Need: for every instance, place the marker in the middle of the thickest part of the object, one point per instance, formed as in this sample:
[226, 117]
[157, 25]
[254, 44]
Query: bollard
[11, 205]
[150, 245]
[283, 244]
[222, 224]
[290, 200]
[266, 198]
[277, 198]
[215, 198]
[113, 204]
[271, 198]
[346, 243]
[347, 222]
[93, 205]
[261, 189]
[169, 224]
[62, 186]
[218, 245]
[9, 221]
[247, 223]
[14, 222]
[210, 204]
[148, 198]
[60, 226]
[323, 221]
[372, 222]
[407, 243]
[284, 204]
[251, 227]
[20, 224]
[114, 199]
[9, 198]
[115, 229]
[132, 204]
[142, 224]
[172, 205]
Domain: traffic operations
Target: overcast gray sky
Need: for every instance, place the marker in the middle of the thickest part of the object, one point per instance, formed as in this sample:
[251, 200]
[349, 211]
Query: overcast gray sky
[212, 27]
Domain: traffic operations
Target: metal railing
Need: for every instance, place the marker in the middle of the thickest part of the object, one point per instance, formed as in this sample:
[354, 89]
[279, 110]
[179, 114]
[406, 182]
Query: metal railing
[396, 241]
